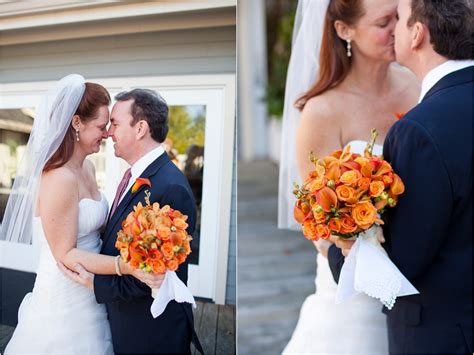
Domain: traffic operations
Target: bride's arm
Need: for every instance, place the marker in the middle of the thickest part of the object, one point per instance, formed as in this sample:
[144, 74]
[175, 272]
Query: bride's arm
[59, 209]
[318, 132]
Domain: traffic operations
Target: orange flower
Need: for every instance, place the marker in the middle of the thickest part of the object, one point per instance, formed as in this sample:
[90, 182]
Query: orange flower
[327, 199]
[376, 188]
[167, 250]
[334, 224]
[397, 186]
[138, 254]
[158, 266]
[364, 183]
[383, 168]
[316, 184]
[351, 177]
[139, 183]
[172, 264]
[322, 231]
[298, 212]
[181, 257]
[319, 217]
[309, 229]
[387, 179]
[163, 232]
[345, 193]
[364, 214]
[180, 223]
[348, 224]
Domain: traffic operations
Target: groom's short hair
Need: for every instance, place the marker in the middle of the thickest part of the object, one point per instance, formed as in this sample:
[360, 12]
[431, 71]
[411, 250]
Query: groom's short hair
[450, 25]
[148, 105]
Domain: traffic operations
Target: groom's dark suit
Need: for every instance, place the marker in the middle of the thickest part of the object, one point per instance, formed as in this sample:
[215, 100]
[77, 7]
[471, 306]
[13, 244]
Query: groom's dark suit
[429, 233]
[128, 300]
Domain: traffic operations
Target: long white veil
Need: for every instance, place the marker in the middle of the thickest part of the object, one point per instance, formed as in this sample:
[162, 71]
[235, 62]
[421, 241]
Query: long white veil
[302, 73]
[52, 119]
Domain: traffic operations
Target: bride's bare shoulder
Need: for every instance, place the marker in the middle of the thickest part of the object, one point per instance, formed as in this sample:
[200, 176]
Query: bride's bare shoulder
[62, 181]
[320, 111]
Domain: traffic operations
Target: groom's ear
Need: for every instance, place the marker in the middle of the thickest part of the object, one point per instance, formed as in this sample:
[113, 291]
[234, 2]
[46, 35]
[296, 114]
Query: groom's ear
[142, 129]
[419, 34]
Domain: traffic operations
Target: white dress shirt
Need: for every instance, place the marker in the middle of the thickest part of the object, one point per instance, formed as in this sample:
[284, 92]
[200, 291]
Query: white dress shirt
[439, 72]
[141, 164]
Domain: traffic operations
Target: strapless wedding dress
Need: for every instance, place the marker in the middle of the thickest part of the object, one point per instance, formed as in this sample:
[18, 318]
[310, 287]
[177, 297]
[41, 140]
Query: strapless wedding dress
[59, 316]
[356, 326]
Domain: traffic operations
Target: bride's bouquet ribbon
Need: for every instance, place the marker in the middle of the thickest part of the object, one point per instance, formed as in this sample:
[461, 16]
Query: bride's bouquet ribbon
[172, 288]
[368, 269]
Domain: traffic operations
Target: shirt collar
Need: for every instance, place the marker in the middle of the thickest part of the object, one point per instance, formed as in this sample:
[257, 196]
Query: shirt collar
[439, 72]
[141, 164]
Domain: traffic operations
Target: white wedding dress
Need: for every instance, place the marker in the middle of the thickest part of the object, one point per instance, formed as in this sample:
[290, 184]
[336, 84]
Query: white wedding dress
[356, 326]
[59, 316]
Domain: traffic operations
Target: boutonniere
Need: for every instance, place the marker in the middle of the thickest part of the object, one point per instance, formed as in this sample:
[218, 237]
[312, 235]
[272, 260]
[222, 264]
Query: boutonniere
[139, 182]
[399, 114]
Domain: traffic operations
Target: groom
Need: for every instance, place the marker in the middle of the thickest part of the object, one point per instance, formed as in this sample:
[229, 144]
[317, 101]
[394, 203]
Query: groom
[138, 126]
[429, 234]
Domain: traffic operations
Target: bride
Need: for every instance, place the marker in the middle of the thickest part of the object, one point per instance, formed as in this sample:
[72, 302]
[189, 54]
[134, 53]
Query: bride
[355, 87]
[55, 203]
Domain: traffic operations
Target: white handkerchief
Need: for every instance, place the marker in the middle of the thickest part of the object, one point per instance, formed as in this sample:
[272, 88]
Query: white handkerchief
[368, 269]
[172, 288]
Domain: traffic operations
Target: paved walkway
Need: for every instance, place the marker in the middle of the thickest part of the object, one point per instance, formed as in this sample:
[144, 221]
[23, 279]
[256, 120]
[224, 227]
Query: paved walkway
[275, 268]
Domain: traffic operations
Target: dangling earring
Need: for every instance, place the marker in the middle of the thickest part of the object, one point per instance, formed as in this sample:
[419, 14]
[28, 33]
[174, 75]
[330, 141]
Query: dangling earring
[349, 54]
[77, 135]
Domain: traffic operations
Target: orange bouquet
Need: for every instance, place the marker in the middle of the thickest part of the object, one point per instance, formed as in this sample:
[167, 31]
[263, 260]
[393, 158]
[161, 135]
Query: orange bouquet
[154, 238]
[346, 193]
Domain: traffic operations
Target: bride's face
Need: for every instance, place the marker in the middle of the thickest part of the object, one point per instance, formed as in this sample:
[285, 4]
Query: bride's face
[374, 32]
[94, 131]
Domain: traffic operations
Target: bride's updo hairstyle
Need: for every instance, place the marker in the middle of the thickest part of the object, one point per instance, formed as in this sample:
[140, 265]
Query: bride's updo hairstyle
[95, 96]
[333, 61]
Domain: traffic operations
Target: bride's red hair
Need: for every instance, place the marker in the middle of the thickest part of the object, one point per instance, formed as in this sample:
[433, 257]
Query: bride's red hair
[95, 96]
[333, 61]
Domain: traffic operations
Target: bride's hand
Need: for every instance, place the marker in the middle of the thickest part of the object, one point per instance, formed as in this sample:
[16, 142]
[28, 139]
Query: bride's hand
[322, 246]
[150, 279]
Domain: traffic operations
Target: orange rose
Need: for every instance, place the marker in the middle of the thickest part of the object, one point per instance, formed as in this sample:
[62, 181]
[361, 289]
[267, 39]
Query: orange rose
[351, 177]
[158, 266]
[309, 229]
[322, 231]
[327, 199]
[181, 257]
[376, 188]
[334, 224]
[387, 179]
[172, 264]
[187, 248]
[364, 183]
[348, 224]
[345, 193]
[364, 214]
[316, 184]
[164, 232]
[319, 217]
[167, 250]
[180, 223]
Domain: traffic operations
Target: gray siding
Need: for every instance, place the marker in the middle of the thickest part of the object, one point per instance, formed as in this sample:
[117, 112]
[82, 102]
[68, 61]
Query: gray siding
[197, 51]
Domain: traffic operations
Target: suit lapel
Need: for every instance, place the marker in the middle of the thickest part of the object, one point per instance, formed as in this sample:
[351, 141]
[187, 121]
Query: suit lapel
[120, 214]
[457, 77]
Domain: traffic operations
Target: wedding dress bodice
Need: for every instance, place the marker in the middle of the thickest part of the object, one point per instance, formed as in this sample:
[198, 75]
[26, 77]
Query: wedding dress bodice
[60, 316]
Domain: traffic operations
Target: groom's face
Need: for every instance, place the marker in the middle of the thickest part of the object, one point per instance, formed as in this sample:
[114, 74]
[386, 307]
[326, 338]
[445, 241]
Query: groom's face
[121, 131]
[403, 33]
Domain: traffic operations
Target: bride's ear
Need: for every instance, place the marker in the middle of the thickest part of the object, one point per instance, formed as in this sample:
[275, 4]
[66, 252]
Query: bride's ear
[343, 30]
[76, 122]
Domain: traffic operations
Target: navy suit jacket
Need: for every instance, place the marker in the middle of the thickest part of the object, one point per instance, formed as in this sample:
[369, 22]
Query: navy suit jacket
[128, 300]
[429, 233]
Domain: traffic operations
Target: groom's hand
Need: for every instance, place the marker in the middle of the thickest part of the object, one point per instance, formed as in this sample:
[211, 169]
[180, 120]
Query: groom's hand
[79, 275]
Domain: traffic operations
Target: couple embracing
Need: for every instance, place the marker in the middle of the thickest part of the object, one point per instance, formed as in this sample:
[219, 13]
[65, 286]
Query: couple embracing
[86, 300]
[428, 235]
